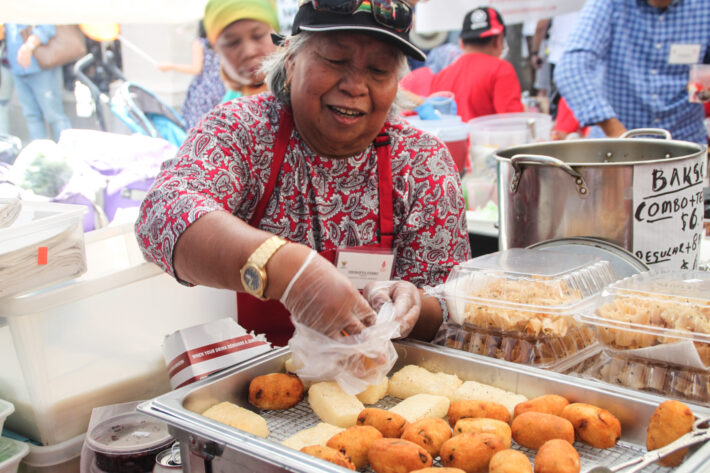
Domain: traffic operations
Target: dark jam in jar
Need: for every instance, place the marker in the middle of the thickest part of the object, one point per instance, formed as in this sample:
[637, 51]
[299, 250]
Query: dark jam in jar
[128, 443]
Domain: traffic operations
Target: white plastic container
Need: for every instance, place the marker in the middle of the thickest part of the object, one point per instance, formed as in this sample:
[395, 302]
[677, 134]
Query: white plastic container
[6, 408]
[11, 452]
[43, 245]
[63, 457]
[96, 340]
[491, 132]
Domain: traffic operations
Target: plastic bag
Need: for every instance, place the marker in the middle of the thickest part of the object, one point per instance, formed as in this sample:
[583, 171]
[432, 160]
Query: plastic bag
[355, 362]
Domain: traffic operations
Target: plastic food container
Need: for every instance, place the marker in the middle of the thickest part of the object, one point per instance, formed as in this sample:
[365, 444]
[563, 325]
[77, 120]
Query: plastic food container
[662, 317]
[643, 375]
[11, 453]
[451, 130]
[491, 132]
[6, 408]
[96, 340]
[63, 457]
[128, 443]
[519, 305]
[43, 244]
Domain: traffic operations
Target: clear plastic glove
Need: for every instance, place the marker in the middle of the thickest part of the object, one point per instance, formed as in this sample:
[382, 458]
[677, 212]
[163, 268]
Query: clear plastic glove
[323, 299]
[354, 362]
[403, 295]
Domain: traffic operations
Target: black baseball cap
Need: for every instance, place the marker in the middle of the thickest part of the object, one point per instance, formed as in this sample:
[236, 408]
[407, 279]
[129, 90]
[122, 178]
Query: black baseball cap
[481, 23]
[309, 19]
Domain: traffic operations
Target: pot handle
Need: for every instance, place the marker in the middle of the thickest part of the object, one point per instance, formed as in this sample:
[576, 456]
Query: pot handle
[520, 160]
[647, 131]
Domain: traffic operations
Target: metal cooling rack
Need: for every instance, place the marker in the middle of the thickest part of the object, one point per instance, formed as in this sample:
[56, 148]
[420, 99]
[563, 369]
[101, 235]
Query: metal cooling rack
[283, 424]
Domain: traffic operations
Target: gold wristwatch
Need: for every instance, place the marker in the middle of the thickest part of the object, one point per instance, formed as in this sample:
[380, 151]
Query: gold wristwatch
[254, 270]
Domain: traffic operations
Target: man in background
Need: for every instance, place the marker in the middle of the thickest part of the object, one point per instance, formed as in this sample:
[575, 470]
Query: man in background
[643, 48]
[482, 82]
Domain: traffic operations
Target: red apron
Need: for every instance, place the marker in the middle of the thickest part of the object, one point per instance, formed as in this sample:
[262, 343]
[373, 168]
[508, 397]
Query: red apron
[271, 317]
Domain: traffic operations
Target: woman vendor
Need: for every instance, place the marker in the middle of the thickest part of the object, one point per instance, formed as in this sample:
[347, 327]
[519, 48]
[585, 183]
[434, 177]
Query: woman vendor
[240, 33]
[269, 192]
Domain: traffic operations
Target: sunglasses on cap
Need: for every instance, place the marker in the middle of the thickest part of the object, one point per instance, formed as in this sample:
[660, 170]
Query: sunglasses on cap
[393, 14]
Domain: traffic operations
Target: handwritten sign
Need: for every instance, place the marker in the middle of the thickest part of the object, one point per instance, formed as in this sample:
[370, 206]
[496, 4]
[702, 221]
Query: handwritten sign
[668, 213]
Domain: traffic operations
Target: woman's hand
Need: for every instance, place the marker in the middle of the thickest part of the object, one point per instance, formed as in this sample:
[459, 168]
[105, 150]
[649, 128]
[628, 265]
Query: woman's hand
[405, 297]
[24, 55]
[322, 298]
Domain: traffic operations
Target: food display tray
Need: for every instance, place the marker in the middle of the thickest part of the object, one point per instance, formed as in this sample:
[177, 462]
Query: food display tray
[209, 446]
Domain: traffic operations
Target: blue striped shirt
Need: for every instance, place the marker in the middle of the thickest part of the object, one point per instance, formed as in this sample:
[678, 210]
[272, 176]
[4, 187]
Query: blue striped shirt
[628, 42]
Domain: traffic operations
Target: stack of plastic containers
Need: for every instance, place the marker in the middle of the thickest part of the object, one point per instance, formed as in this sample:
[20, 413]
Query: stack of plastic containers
[91, 341]
[519, 305]
[41, 243]
[655, 329]
[11, 451]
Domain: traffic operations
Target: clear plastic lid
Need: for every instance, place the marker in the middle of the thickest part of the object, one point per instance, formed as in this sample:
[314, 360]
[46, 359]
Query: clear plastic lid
[6, 408]
[649, 311]
[11, 452]
[529, 280]
[128, 434]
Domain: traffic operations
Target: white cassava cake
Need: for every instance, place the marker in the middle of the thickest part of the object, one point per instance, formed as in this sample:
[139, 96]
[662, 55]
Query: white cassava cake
[421, 406]
[238, 417]
[318, 435]
[374, 393]
[474, 391]
[333, 405]
[413, 379]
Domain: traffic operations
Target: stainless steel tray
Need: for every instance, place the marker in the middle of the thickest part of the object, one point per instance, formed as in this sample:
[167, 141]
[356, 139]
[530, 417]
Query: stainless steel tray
[210, 446]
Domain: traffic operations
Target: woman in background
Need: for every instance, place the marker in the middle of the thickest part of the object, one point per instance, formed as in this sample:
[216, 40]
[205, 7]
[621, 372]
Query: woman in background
[206, 89]
[240, 33]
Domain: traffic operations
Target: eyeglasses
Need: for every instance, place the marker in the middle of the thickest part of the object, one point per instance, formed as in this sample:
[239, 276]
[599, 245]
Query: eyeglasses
[393, 14]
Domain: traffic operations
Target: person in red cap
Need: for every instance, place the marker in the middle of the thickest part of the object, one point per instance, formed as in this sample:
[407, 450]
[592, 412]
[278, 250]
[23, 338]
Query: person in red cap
[482, 82]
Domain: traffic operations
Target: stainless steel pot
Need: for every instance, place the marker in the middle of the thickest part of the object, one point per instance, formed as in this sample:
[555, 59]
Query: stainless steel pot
[584, 187]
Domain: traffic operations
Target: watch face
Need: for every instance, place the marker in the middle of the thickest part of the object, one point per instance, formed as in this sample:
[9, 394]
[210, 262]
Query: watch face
[252, 279]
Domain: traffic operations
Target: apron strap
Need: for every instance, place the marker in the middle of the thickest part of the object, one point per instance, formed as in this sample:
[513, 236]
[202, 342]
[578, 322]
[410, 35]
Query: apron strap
[282, 140]
[384, 178]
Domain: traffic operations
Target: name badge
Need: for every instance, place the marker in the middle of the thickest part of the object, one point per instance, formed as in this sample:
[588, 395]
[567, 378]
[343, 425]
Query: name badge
[362, 266]
[684, 54]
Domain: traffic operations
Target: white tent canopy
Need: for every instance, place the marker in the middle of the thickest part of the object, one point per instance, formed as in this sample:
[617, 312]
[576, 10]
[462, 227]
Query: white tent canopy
[111, 11]
[447, 15]
[432, 15]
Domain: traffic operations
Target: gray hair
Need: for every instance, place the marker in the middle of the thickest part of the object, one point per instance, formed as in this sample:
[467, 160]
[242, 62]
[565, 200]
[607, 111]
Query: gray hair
[274, 67]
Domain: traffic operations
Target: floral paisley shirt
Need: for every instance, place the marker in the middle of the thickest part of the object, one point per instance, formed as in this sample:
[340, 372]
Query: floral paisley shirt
[324, 203]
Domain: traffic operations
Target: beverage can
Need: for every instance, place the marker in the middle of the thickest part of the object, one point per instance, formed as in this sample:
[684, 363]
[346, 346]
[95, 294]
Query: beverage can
[168, 461]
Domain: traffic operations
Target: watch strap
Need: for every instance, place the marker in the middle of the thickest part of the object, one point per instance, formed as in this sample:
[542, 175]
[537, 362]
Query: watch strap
[265, 251]
[258, 260]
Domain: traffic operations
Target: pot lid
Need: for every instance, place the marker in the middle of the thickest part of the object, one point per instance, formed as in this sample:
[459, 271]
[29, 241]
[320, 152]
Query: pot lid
[624, 263]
